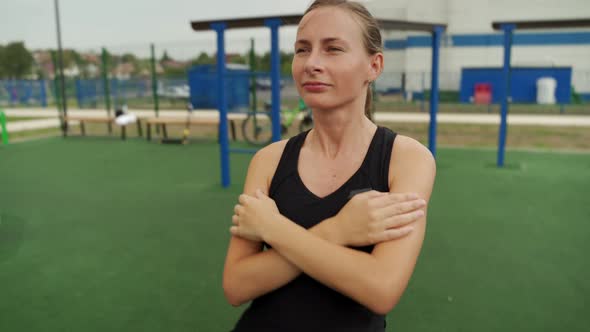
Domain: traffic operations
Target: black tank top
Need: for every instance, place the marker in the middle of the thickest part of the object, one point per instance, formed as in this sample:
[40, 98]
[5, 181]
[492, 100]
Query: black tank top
[305, 305]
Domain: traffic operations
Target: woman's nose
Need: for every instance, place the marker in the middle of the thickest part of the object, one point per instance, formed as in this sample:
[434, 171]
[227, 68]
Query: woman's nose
[314, 63]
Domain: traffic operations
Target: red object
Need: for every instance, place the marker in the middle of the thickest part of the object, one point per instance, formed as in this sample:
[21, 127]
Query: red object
[483, 93]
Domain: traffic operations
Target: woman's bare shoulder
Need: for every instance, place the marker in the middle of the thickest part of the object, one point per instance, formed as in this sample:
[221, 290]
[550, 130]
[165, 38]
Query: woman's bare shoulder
[408, 155]
[263, 166]
[271, 153]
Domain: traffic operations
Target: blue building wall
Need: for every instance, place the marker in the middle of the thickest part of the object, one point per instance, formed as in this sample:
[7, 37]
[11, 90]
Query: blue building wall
[523, 83]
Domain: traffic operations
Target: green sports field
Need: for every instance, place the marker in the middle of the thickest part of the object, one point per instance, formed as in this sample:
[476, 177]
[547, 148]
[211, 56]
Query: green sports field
[97, 234]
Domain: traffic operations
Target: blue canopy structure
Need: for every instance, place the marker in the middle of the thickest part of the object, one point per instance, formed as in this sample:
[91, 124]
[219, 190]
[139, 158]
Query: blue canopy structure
[508, 28]
[274, 22]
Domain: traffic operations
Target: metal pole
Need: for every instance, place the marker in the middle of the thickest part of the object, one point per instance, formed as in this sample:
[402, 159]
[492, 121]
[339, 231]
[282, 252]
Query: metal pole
[222, 104]
[253, 73]
[155, 82]
[254, 107]
[106, 81]
[436, 34]
[60, 60]
[275, 75]
[56, 93]
[508, 29]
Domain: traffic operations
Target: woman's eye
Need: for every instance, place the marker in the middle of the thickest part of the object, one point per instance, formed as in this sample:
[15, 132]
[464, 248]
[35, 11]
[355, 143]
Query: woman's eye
[334, 49]
[300, 50]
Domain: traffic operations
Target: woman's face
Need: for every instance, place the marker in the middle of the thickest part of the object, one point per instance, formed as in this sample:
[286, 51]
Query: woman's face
[331, 66]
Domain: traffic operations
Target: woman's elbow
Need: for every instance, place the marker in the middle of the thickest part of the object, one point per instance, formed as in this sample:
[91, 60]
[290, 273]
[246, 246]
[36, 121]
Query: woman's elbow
[232, 293]
[383, 301]
[383, 305]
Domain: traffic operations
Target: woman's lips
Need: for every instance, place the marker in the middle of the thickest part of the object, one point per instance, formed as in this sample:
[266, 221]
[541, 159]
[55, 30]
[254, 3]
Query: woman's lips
[315, 86]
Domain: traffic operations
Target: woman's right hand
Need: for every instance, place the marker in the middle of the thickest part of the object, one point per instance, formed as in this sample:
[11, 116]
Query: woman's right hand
[372, 217]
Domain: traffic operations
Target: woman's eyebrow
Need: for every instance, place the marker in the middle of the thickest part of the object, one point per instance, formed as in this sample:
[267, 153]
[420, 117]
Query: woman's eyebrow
[323, 41]
[302, 41]
[332, 39]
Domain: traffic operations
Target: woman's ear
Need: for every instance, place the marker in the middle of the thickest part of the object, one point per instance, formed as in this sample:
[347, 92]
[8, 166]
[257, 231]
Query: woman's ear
[376, 66]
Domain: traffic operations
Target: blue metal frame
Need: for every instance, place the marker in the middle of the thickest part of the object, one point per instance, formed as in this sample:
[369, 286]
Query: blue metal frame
[508, 31]
[223, 125]
[436, 35]
[274, 25]
[275, 76]
[224, 149]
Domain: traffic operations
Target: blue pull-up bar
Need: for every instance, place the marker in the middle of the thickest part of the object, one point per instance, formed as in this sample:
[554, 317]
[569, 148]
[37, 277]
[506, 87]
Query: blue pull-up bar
[220, 27]
[436, 35]
[275, 76]
[508, 29]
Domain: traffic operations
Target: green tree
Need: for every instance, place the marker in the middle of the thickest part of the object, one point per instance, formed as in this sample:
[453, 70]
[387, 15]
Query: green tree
[15, 61]
[165, 57]
[263, 62]
[71, 58]
[203, 59]
[129, 58]
[2, 62]
[286, 60]
[238, 58]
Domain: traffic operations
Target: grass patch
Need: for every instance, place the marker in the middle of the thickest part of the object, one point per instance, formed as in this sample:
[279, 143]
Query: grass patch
[102, 235]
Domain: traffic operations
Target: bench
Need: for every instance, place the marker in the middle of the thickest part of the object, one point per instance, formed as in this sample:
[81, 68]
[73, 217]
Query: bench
[162, 122]
[109, 120]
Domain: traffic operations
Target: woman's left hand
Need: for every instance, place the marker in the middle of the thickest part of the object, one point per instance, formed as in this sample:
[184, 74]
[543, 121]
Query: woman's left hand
[252, 215]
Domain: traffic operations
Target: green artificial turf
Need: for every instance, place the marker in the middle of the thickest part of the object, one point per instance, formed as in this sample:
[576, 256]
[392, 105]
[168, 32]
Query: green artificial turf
[97, 234]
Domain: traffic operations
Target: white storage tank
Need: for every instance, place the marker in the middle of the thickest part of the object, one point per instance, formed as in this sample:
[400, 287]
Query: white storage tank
[546, 90]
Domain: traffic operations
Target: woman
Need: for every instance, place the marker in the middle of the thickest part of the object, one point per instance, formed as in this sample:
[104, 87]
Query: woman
[342, 238]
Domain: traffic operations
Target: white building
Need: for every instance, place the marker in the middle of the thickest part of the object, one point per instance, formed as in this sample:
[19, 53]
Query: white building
[470, 41]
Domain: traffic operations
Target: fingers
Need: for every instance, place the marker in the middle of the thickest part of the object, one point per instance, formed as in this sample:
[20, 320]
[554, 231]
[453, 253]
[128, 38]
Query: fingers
[234, 230]
[235, 220]
[238, 209]
[403, 207]
[401, 220]
[243, 199]
[395, 233]
[393, 198]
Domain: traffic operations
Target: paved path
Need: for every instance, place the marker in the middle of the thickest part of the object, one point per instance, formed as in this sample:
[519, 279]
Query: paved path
[514, 119]
[14, 126]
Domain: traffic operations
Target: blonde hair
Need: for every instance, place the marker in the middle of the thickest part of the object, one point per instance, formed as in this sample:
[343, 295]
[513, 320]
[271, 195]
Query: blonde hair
[370, 29]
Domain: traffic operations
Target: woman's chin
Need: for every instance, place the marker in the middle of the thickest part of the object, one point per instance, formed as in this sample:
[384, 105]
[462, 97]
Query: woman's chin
[318, 104]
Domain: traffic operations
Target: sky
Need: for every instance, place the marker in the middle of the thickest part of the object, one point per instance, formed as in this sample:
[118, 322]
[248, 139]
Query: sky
[131, 25]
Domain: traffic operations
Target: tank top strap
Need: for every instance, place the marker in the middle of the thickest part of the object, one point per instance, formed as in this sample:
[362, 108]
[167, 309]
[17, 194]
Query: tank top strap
[288, 162]
[379, 156]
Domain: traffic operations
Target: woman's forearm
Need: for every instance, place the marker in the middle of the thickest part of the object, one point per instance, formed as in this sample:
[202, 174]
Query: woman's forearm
[266, 271]
[350, 272]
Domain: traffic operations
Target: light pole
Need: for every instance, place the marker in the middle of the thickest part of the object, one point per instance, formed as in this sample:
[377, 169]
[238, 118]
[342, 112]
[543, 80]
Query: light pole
[60, 61]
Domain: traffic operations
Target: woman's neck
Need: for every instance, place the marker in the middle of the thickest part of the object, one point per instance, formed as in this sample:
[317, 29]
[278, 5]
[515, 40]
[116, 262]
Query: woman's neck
[340, 132]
